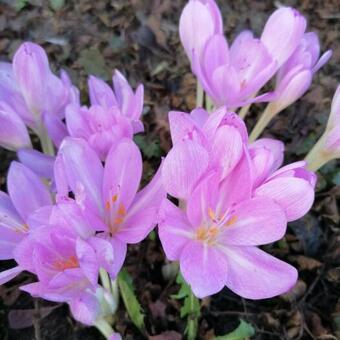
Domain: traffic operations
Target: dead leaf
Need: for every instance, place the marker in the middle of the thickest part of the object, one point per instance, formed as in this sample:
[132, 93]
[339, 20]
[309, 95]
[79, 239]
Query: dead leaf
[169, 335]
[305, 262]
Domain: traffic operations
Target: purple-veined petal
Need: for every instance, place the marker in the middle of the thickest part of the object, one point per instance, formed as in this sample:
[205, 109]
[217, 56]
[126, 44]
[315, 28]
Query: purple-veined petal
[56, 129]
[183, 166]
[254, 274]
[294, 195]
[204, 268]
[227, 149]
[13, 132]
[9, 274]
[174, 230]
[85, 308]
[26, 190]
[283, 32]
[183, 127]
[122, 175]
[84, 171]
[40, 163]
[101, 93]
[256, 221]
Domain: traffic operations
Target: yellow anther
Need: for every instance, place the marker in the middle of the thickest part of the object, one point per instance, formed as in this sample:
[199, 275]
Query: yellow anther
[201, 233]
[71, 262]
[121, 211]
[211, 214]
[118, 220]
[213, 231]
[114, 198]
[231, 221]
[107, 205]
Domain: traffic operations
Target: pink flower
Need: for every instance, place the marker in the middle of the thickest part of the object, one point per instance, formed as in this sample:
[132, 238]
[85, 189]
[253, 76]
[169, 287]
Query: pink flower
[236, 199]
[295, 76]
[108, 195]
[291, 186]
[37, 95]
[215, 240]
[231, 76]
[204, 142]
[128, 102]
[199, 21]
[26, 195]
[332, 143]
[102, 127]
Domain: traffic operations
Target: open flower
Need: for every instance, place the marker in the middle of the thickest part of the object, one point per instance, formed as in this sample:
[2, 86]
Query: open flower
[108, 195]
[215, 240]
[26, 195]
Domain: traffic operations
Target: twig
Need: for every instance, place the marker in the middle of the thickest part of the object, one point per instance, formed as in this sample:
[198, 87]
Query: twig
[36, 320]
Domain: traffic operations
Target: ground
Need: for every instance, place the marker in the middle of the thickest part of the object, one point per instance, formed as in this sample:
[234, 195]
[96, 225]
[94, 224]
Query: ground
[140, 38]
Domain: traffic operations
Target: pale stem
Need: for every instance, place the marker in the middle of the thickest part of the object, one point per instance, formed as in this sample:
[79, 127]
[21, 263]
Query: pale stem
[115, 292]
[244, 110]
[104, 327]
[264, 120]
[46, 143]
[209, 104]
[192, 317]
[199, 95]
[318, 156]
[105, 279]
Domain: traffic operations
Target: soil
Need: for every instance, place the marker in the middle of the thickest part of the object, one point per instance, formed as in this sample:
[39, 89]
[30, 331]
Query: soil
[140, 38]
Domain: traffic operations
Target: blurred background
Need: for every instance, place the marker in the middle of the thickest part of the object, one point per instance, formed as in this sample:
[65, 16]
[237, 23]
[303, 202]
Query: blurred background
[140, 38]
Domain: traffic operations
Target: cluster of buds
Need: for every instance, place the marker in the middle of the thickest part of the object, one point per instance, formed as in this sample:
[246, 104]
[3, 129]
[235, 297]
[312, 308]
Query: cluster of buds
[74, 204]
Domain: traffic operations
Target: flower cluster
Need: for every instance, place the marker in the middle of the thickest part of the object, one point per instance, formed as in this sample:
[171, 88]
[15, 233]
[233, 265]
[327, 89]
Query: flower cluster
[74, 202]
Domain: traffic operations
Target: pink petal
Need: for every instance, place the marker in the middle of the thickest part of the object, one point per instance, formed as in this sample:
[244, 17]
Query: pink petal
[143, 213]
[9, 274]
[76, 123]
[204, 268]
[183, 166]
[183, 127]
[26, 190]
[174, 230]
[227, 148]
[56, 128]
[122, 173]
[85, 308]
[294, 195]
[101, 93]
[283, 32]
[203, 200]
[13, 132]
[253, 274]
[84, 171]
[257, 221]
[40, 163]
[196, 25]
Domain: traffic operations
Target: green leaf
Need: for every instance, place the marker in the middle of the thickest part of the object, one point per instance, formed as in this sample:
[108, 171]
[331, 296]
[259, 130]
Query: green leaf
[94, 63]
[20, 4]
[184, 289]
[131, 303]
[150, 148]
[57, 5]
[243, 331]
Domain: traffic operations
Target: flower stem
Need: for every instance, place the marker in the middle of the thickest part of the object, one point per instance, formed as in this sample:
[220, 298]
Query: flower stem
[104, 327]
[46, 143]
[318, 156]
[264, 120]
[192, 326]
[244, 110]
[105, 279]
[199, 95]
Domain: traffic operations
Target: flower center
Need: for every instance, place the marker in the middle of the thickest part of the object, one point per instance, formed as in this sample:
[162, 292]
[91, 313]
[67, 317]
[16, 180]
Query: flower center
[71, 262]
[214, 226]
[116, 213]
